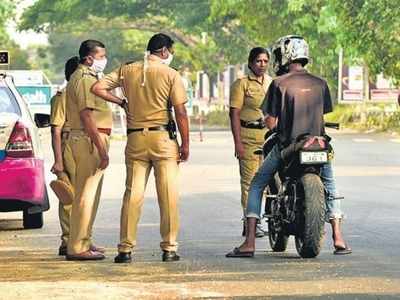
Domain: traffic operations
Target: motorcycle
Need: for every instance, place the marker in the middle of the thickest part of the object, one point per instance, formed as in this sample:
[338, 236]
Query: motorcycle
[295, 198]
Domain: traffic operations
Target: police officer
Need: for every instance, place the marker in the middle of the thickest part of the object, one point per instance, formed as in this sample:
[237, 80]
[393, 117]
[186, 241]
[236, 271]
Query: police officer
[151, 88]
[62, 187]
[90, 119]
[59, 132]
[248, 128]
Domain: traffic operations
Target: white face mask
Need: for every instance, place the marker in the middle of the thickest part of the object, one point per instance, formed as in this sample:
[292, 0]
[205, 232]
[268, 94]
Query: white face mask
[99, 65]
[168, 60]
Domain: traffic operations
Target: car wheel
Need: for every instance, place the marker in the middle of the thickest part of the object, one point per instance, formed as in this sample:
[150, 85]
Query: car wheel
[33, 221]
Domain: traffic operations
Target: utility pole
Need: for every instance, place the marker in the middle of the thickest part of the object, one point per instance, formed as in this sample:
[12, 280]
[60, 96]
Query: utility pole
[340, 73]
[366, 82]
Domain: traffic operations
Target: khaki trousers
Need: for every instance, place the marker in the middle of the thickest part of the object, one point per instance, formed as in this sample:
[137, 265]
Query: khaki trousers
[252, 140]
[87, 181]
[146, 150]
[64, 211]
[64, 214]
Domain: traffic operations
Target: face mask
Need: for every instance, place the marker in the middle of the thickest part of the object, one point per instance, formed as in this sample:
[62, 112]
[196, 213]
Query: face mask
[168, 60]
[99, 65]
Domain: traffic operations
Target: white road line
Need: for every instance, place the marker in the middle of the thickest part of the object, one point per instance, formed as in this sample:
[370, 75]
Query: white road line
[363, 140]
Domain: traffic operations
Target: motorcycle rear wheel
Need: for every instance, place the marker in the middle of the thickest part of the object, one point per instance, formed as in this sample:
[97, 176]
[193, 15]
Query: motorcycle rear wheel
[309, 241]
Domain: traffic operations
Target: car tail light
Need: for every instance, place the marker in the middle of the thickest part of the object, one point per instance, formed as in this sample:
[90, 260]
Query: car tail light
[20, 142]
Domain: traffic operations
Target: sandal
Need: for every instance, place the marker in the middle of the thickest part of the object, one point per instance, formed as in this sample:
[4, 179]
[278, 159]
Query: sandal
[237, 253]
[342, 250]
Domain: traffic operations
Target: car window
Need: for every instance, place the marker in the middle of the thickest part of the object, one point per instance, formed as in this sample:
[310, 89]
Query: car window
[8, 103]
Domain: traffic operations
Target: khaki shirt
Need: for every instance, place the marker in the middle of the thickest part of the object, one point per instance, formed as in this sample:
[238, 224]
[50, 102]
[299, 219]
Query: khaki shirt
[80, 97]
[57, 110]
[247, 94]
[147, 99]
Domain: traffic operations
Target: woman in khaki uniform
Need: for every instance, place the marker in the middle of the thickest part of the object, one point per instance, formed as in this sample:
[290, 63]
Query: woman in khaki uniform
[248, 128]
[90, 119]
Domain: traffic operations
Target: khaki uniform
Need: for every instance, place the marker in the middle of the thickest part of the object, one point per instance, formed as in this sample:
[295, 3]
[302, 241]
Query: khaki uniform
[147, 149]
[247, 94]
[57, 119]
[86, 177]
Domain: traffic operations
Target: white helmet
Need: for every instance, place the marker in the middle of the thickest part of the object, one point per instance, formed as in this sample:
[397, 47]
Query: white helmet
[288, 49]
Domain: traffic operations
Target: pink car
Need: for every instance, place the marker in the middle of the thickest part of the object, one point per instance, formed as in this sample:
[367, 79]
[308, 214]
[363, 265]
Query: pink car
[22, 181]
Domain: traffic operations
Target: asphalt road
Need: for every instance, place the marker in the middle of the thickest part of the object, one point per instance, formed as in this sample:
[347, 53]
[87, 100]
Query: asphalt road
[367, 171]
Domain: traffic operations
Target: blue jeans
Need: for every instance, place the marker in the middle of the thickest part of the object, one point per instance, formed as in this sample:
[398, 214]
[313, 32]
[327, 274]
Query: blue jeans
[260, 181]
[333, 210]
[266, 172]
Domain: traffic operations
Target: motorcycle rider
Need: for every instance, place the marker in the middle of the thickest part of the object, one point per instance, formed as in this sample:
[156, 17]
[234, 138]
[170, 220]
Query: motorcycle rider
[293, 88]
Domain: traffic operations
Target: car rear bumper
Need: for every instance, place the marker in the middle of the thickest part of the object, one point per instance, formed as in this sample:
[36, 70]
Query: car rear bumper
[22, 180]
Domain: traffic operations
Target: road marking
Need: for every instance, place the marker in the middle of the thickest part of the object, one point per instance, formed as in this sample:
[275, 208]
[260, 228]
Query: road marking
[363, 140]
[372, 171]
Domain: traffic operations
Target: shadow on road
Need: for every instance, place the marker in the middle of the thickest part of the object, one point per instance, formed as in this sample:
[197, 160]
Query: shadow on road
[11, 225]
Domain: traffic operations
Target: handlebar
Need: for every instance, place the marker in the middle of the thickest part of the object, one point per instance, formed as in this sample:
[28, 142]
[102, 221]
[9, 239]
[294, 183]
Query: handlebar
[332, 125]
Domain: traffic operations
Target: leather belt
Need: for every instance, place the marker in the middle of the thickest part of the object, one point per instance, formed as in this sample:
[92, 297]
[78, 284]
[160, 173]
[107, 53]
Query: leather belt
[258, 124]
[156, 128]
[82, 132]
[105, 130]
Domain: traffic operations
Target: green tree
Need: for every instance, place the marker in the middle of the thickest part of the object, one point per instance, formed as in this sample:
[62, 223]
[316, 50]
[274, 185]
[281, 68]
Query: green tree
[213, 33]
[203, 43]
[370, 31]
[267, 20]
[18, 57]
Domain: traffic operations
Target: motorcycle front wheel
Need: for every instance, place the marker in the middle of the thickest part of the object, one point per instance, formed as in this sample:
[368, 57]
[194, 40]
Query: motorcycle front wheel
[309, 240]
[277, 239]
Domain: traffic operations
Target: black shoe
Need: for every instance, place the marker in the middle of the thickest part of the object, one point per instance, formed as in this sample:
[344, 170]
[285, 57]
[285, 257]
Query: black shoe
[170, 256]
[123, 257]
[62, 251]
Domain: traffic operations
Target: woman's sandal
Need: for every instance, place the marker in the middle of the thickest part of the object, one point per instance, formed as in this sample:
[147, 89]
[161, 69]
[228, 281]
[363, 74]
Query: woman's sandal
[237, 253]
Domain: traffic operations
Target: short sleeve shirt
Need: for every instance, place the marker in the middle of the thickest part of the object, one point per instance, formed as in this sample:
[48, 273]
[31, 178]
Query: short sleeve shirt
[147, 92]
[79, 97]
[247, 94]
[57, 108]
[299, 100]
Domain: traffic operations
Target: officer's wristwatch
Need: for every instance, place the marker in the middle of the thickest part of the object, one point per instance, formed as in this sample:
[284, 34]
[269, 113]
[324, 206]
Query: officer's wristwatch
[123, 103]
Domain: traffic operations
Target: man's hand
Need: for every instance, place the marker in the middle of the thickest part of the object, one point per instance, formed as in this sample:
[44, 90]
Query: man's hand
[183, 153]
[57, 167]
[90, 128]
[124, 105]
[104, 161]
[183, 126]
[239, 150]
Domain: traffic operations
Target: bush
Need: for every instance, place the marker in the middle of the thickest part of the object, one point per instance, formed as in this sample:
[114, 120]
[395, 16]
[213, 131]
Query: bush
[367, 116]
[218, 118]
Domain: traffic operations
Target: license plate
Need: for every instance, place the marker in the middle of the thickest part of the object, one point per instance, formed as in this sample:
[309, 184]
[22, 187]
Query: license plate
[315, 157]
